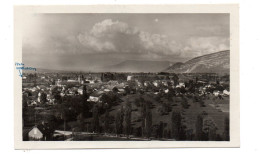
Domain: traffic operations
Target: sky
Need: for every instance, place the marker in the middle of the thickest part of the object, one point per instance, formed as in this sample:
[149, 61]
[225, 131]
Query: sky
[85, 42]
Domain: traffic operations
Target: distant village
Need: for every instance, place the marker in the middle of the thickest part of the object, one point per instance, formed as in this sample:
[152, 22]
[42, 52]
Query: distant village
[124, 106]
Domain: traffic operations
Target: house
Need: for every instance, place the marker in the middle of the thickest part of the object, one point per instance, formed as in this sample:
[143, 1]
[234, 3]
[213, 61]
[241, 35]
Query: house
[216, 92]
[62, 94]
[181, 84]
[33, 102]
[93, 99]
[71, 80]
[226, 93]
[107, 90]
[121, 90]
[95, 96]
[41, 132]
[35, 134]
[155, 83]
[33, 89]
[129, 78]
[80, 90]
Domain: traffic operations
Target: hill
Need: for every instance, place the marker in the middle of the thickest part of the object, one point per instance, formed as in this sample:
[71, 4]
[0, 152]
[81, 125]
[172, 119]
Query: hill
[218, 62]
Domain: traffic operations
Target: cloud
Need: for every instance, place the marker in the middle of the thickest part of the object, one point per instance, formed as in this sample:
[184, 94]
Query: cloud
[197, 46]
[109, 36]
[159, 44]
[116, 36]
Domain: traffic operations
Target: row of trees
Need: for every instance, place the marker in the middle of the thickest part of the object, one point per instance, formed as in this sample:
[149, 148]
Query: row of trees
[122, 118]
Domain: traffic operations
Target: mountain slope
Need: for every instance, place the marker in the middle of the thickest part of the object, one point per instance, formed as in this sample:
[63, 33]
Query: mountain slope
[218, 62]
[137, 66]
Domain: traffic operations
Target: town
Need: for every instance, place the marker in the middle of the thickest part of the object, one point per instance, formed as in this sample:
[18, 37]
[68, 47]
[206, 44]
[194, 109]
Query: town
[88, 106]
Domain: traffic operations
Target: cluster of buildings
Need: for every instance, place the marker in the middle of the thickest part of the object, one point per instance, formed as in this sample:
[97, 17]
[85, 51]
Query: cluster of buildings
[97, 85]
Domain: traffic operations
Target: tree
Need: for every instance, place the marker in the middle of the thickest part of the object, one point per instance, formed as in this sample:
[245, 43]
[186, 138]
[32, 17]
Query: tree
[143, 116]
[119, 121]
[95, 118]
[146, 117]
[80, 120]
[209, 129]
[107, 119]
[148, 124]
[85, 95]
[25, 105]
[182, 135]
[176, 124]
[55, 92]
[160, 130]
[170, 94]
[127, 90]
[43, 97]
[226, 135]
[128, 112]
[176, 80]
[199, 124]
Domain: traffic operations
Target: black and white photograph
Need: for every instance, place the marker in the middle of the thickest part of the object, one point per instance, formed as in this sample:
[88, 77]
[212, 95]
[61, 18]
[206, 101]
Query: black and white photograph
[129, 76]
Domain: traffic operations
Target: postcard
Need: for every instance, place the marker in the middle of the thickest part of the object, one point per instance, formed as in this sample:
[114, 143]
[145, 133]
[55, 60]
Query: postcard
[126, 76]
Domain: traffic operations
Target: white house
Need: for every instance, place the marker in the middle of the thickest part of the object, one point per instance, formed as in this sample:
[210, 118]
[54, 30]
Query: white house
[107, 90]
[70, 80]
[35, 134]
[33, 89]
[226, 93]
[80, 90]
[121, 90]
[145, 84]
[181, 84]
[129, 78]
[93, 99]
[155, 83]
[216, 92]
